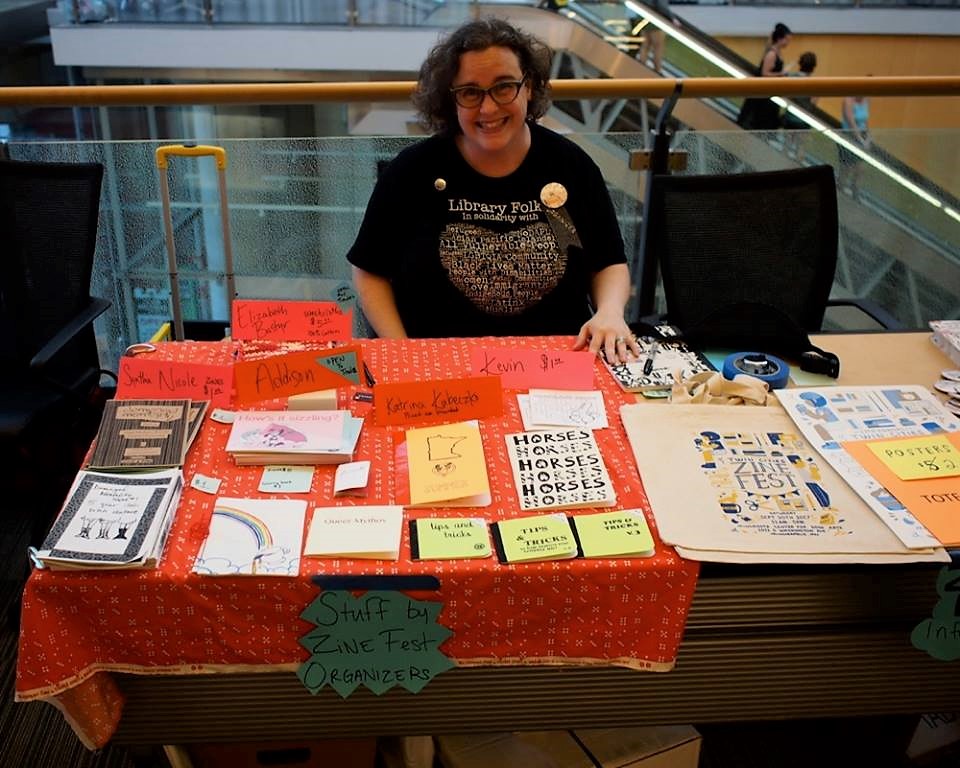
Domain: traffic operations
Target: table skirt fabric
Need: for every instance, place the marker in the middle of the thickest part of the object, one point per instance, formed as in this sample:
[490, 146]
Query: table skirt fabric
[77, 627]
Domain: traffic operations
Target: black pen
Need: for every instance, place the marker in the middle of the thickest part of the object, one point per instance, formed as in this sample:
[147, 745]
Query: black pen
[369, 376]
[648, 364]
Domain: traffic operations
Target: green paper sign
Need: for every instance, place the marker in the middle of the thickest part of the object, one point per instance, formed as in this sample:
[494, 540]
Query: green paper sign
[343, 363]
[379, 639]
[940, 635]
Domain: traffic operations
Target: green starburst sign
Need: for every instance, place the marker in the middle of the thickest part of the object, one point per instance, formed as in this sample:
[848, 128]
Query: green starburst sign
[379, 639]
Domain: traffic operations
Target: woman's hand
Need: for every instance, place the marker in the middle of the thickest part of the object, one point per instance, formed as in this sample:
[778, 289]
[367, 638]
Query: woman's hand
[608, 332]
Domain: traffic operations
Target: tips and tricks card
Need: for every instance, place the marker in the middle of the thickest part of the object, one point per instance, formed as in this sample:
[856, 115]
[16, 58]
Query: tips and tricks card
[449, 538]
[613, 534]
[534, 539]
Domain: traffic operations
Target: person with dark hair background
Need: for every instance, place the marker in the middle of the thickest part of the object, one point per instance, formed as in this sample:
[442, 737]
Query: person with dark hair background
[761, 114]
[494, 225]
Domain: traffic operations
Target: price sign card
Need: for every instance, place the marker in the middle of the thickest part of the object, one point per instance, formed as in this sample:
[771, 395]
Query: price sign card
[933, 493]
[526, 368]
[143, 377]
[916, 458]
[296, 372]
[290, 321]
[436, 401]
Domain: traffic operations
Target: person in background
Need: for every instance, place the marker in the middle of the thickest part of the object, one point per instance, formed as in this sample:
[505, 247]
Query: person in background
[494, 225]
[793, 142]
[654, 38]
[855, 120]
[761, 114]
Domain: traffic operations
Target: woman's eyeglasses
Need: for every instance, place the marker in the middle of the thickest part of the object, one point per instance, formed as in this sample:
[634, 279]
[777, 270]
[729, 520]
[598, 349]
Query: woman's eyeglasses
[503, 93]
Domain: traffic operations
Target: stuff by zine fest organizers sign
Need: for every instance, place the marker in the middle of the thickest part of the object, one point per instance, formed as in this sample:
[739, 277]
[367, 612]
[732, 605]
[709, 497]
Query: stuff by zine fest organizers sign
[380, 639]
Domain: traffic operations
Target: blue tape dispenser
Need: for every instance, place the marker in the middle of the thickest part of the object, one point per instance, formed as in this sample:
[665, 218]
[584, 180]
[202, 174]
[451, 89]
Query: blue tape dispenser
[759, 365]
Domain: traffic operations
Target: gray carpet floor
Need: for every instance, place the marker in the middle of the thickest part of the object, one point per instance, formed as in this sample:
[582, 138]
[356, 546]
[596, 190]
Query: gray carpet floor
[34, 734]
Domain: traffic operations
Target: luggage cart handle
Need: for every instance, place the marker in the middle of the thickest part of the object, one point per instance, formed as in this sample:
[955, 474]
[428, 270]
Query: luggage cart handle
[220, 155]
[196, 150]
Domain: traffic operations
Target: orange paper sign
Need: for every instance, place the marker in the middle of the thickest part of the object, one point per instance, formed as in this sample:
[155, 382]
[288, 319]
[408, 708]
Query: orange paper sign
[935, 502]
[143, 377]
[526, 368]
[434, 402]
[290, 321]
[296, 372]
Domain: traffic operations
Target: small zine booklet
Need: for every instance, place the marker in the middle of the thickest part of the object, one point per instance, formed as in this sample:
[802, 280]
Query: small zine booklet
[666, 358]
[559, 469]
[623, 533]
[449, 538]
[534, 539]
[446, 466]
[364, 532]
[253, 537]
[141, 435]
[113, 521]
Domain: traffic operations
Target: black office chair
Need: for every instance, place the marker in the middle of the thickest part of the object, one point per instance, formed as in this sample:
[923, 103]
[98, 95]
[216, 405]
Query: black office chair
[747, 260]
[51, 372]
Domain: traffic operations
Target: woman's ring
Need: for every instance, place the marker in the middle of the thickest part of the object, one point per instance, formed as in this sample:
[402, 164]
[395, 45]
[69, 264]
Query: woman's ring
[620, 340]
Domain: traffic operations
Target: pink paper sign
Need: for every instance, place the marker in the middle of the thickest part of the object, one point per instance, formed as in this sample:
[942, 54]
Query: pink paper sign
[527, 368]
[254, 320]
[145, 377]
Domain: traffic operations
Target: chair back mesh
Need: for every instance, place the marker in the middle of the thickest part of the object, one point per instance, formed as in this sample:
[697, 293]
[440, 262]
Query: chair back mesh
[745, 256]
[48, 220]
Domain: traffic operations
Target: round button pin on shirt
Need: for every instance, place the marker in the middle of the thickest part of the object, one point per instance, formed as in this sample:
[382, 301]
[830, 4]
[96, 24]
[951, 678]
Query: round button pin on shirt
[553, 195]
[440, 185]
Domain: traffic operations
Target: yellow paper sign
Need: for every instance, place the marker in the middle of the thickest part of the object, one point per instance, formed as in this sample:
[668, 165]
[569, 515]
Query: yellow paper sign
[919, 458]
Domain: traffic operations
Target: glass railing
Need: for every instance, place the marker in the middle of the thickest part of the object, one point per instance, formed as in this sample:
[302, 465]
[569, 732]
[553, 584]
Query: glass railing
[296, 204]
[260, 12]
[373, 12]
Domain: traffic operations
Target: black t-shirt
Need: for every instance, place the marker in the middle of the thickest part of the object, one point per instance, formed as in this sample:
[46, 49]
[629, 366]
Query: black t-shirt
[471, 255]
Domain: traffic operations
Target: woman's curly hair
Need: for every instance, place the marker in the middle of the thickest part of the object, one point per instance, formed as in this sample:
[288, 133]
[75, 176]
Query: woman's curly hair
[432, 98]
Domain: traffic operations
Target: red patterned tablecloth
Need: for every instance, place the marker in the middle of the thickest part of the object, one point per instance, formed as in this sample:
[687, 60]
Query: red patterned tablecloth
[78, 626]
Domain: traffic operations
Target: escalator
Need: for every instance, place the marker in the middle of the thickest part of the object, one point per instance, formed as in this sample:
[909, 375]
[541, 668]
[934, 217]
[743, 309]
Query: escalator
[899, 230]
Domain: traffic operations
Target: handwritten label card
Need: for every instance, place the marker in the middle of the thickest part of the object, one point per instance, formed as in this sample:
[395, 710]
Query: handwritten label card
[296, 372]
[379, 639]
[351, 478]
[432, 402]
[525, 368]
[916, 458]
[933, 499]
[279, 478]
[290, 321]
[143, 377]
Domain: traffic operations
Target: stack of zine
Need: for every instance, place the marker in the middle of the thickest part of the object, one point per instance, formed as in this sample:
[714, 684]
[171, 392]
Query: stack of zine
[113, 521]
[293, 437]
[946, 335]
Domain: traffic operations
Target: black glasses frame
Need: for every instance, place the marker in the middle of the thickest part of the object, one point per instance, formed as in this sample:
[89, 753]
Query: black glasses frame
[481, 93]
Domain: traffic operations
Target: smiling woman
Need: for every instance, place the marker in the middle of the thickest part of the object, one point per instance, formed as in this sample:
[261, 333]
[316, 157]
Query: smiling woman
[494, 225]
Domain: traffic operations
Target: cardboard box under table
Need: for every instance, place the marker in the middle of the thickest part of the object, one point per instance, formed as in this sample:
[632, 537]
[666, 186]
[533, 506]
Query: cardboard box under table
[80, 627]
[665, 746]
